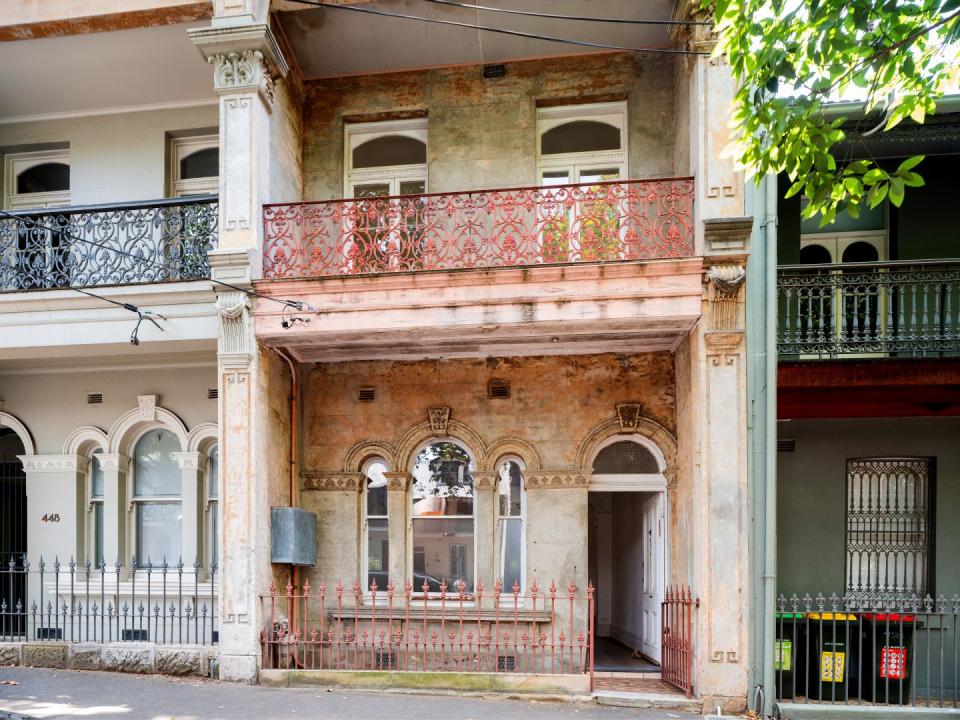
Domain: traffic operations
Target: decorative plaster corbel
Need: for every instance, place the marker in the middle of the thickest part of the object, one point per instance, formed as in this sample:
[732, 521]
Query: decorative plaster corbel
[628, 415]
[725, 282]
[243, 71]
[439, 419]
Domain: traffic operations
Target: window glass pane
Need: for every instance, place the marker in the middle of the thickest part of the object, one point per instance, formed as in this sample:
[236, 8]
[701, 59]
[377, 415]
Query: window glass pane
[158, 532]
[602, 175]
[201, 164]
[556, 177]
[390, 150]
[815, 255]
[214, 533]
[96, 475]
[155, 472]
[47, 177]
[378, 552]
[371, 190]
[625, 457]
[580, 136]
[213, 478]
[447, 552]
[98, 534]
[413, 187]
[511, 489]
[376, 490]
[442, 483]
[512, 552]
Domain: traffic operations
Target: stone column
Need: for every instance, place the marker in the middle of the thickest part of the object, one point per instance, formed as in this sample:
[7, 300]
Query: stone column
[485, 513]
[191, 499]
[398, 499]
[115, 508]
[54, 496]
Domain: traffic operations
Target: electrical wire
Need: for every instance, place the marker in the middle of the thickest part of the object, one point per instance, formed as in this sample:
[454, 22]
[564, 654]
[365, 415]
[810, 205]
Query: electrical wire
[296, 304]
[515, 33]
[578, 18]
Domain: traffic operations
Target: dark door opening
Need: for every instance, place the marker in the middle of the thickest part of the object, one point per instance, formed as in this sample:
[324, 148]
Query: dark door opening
[13, 535]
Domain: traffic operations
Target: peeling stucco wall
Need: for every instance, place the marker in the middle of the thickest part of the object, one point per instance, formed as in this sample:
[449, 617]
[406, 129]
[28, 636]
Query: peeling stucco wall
[482, 133]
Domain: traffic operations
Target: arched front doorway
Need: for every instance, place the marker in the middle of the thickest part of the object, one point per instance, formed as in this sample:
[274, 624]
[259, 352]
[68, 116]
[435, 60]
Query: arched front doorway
[13, 525]
[627, 551]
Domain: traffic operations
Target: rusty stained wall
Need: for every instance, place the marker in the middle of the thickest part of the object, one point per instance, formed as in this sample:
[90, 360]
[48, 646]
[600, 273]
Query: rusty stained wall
[482, 133]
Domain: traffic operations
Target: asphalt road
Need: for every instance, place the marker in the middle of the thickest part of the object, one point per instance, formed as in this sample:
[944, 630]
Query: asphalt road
[40, 693]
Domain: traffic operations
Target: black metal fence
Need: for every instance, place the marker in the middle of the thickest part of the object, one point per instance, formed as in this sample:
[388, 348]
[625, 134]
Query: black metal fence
[71, 602]
[897, 651]
[94, 245]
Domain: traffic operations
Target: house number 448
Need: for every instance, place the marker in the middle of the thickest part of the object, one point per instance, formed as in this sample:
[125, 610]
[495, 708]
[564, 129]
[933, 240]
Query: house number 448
[51, 517]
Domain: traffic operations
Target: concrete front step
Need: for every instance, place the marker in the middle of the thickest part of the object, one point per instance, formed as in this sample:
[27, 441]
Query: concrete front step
[649, 700]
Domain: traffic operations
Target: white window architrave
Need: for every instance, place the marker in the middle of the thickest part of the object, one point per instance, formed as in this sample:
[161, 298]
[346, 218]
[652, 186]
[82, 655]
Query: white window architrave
[578, 164]
[412, 518]
[365, 529]
[17, 163]
[631, 482]
[182, 148]
[136, 501]
[356, 134]
[522, 519]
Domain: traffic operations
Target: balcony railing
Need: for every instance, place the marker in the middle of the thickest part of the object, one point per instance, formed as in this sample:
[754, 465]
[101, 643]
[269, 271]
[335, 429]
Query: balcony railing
[592, 222]
[96, 245]
[904, 308]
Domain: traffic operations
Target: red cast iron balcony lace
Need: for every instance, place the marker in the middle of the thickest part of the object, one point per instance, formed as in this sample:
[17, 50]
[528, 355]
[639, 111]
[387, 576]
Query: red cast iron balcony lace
[591, 222]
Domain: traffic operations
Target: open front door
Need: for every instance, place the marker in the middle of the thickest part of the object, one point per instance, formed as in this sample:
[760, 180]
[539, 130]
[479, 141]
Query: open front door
[654, 564]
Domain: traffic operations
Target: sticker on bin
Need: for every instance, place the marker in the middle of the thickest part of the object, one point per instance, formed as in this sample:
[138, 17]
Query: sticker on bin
[893, 663]
[832, 666]
[784, 655]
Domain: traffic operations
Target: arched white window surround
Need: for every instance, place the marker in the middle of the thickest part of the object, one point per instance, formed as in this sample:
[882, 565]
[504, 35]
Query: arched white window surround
[573, 167]
[386, 179]
[630, 482]
[458, 558]
[375, 526]
[512, 528]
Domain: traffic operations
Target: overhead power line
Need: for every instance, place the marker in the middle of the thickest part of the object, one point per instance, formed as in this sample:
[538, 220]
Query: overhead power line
[501, 31]
[578, 18]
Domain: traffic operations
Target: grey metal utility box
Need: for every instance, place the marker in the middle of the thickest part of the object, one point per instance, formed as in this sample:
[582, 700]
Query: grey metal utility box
[293, 537]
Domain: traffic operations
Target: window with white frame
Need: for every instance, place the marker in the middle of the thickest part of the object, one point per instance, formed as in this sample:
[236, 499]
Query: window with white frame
[157, 497]
[213, 505]
[386, 158]
[95, 534]
[510, 518]
[582, 143]
[194, 165]
[376, 525]
[36, 180]
[443, 517]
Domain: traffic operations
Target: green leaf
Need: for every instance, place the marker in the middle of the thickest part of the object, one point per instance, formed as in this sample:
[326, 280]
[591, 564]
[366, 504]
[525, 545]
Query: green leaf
[911, 162]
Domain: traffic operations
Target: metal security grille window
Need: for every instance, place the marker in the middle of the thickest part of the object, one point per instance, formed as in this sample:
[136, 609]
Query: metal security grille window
[888, 531]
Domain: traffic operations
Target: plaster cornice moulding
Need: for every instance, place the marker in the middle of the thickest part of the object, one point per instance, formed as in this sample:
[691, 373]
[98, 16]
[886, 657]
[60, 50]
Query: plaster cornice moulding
[49, 463]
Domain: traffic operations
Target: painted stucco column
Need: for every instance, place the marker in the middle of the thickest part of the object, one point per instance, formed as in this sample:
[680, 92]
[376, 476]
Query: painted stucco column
[485, 497]
[54, 485]
[398, 484]
[191, 499]
[115, 508]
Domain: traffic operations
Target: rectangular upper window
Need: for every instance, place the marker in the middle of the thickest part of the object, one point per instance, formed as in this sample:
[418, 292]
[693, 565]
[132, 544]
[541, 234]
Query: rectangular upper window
[582, 143]
[194, 165]
[38, 179]
[385, 158]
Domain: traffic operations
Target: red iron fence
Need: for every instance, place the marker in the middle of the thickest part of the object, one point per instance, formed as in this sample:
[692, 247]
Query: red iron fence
[677, 617]
[592, 222]
[495, 630]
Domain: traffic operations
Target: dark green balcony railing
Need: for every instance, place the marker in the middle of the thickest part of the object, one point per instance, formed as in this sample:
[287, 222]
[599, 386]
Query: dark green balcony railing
[902, 308]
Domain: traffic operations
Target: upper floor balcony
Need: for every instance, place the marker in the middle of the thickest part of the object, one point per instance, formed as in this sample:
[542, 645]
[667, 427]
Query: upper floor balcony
[103, 245]
[481, 229]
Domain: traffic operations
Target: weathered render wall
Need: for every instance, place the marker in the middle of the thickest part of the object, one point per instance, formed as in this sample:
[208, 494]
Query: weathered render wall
[113, 158]
[482, 133]
[555, 402]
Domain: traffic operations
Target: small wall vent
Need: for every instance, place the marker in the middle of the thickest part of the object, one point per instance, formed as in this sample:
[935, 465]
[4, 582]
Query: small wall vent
[213, 393]
[788, 445]
[94, 398]
[498, 389]
[366, 393]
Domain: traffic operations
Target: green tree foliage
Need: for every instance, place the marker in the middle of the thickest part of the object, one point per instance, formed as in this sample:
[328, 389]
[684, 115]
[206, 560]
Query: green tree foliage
[791, 57]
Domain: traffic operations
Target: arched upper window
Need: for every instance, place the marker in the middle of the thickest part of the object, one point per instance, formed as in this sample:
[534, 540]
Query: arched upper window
[45, 177]
[157, 497]
[386, 158]
[625, 457]
[37, 179]
[511, 514]
[582, 143]
[194, 166]
[444, 546]
[389, 150]
[376, 524]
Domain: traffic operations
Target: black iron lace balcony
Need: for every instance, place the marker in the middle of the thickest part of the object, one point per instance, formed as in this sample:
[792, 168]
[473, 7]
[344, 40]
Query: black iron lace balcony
[902, 308]
[98, 245]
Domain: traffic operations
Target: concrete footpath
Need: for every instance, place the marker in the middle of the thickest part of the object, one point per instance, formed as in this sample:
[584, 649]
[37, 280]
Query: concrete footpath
[40, 693]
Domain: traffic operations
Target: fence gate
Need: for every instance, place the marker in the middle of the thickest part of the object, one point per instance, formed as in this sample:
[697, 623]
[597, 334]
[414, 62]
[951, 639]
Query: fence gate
[676, 615]
[13, 542]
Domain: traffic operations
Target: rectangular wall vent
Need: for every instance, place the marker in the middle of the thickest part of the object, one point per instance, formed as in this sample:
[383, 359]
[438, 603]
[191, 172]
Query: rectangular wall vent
[212, 393]
[94, 398]
[498, 389]
[366, 393]
[788, 445]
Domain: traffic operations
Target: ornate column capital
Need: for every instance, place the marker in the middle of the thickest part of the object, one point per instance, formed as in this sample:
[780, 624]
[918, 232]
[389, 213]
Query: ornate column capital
[485, 479]
[724, 283]
[50, 463]
[234, 344]
[113, 462]
[397, 480]
[187, 460]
